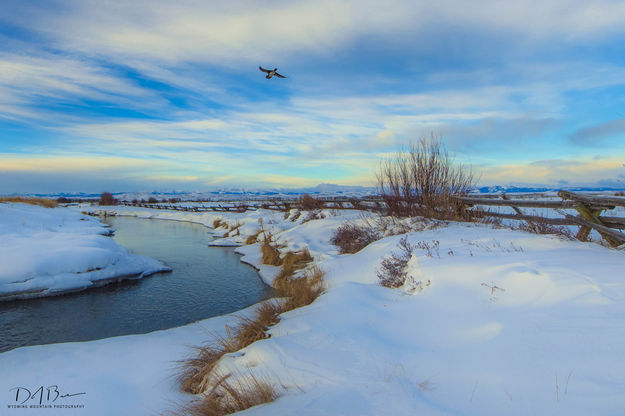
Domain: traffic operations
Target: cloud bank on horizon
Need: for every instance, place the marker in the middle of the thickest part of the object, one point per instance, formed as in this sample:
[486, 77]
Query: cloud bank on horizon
[124, 96]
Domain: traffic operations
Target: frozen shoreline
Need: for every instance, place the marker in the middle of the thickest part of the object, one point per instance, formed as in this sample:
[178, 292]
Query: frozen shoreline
[546, 341]
[53, 251]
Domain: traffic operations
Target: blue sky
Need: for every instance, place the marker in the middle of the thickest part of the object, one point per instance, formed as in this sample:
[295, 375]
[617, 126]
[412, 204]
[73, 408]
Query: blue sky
[143, 95]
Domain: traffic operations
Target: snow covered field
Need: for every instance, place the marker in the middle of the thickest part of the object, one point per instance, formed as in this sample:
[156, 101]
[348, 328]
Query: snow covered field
[507, 323]
[47, 251]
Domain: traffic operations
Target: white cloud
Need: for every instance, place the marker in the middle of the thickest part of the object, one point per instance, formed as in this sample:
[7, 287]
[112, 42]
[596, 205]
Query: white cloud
[229, 32]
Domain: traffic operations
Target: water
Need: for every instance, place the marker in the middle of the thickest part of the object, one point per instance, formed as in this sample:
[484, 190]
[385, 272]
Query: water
[205, 281]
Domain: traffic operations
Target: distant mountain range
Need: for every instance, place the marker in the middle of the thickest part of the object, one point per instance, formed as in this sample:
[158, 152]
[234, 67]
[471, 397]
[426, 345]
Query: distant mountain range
[319, 190]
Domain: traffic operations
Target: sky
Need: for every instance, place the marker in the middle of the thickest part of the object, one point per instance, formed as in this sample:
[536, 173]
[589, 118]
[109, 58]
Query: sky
[160, 95]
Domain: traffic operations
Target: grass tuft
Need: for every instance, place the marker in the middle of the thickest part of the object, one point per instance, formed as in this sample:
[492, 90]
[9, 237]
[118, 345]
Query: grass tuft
[230, 397]
[293, 262]
[301, 291]
[195, 376]
[44, 202]
[218, 223]
[251, 239]
[271, 255]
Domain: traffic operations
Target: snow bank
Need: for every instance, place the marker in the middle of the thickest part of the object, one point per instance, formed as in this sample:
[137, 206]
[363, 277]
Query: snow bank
[509, 323]
[48, 251]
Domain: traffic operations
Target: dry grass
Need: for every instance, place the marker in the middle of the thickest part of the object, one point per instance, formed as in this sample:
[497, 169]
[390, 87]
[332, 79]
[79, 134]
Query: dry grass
[196, 371]
[293, 262]
[251, 239]
[47, 203]
[271, 255]
[251, 330]
[301, 291]
[230, 397]
[218, 223]
[231, 229]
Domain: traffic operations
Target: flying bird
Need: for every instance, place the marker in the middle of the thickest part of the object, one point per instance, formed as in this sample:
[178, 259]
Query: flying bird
[271, 73]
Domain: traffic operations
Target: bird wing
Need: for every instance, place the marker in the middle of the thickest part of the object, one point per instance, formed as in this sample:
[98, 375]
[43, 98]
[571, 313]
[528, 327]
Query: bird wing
[279, 76]
[263, 69]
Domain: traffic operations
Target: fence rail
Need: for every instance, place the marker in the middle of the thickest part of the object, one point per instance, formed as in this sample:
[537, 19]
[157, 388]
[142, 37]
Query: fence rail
[589, 209]
[277, 204]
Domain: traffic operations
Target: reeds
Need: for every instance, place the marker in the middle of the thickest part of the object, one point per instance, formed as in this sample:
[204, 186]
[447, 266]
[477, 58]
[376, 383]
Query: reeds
[44, 202]
[196, 371]
[227, 397]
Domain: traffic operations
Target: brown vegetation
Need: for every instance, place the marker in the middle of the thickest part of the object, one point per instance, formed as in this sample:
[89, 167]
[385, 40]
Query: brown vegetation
[351, 238]
[422, 181]
[271, 255]
[308, 203]
[393, 268]
[47, 203]
[292, 262]
[251, 239]
[218, 223]
[230, 397]
[198, 372]
[107, 199]
[300, 291]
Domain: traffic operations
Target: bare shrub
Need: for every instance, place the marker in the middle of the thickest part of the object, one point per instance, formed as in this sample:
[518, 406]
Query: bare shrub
[152, 200]
[218, 223]
[308, 203]
[46, 203]
[226, 397]
[351, 238]
[423, 180]
[107, 199]
[393, 269]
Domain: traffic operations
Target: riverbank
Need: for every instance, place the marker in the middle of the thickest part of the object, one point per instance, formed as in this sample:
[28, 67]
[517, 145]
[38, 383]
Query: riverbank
[496, 322]
[51, 251]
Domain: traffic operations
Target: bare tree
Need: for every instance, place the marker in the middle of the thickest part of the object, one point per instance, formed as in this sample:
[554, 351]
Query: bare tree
[107, 199]
[422, 180]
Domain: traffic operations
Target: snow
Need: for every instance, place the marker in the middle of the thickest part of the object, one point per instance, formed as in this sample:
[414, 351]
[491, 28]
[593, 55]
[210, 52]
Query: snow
[49, 251]
[504, 322]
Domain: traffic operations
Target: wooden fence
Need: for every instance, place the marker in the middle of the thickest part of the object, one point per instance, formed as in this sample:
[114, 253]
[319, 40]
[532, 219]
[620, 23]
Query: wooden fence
[589, 209]
[277, 204]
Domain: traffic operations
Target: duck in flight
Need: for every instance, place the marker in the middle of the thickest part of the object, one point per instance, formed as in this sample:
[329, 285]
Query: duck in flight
[271, 73]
